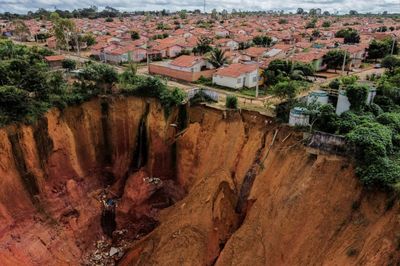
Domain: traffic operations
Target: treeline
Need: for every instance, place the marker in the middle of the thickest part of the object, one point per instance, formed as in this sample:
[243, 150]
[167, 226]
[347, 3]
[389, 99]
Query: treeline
[91, 12]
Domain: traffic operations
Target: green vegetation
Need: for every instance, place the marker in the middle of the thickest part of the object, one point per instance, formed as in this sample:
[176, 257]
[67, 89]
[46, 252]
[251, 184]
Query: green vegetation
[28, 88]
[231, 102]
[379, 49]
[217, 58]
[203, 46]
[334, 59]
[281, 70]
[262, 40]
[373, 131]
[390, 62]
[350, 35]
[151, 87]
[326, 24]
[135, 35]
[69, 64]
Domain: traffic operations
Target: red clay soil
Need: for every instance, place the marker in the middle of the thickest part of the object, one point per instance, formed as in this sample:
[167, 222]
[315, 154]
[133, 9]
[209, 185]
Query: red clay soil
[181, 206]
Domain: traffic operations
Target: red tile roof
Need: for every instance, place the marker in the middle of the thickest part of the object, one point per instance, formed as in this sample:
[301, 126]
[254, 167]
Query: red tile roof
[53, 58]
[235, 70]
[186, 61]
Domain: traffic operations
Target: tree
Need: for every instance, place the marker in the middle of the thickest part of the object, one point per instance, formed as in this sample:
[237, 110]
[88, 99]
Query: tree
[214, 14]
[128, 77]
[14, 104]
[300, 11]
[89, 39]
[109, 19]
[357, 95]
[312, 12]
[262, 40]
[231, 102]
[326, 118]
[353, 13]
[390, 62]
[284, 90]
[69, 64]
[311, 24]
[63, 30]
[183, 14]
[103, 75]
[217, 58]
[379, 49]
[135, 35]
[326, 24]
[203, 45]
[352, 37]
[334, 59]
[20, 29]
[334, 84]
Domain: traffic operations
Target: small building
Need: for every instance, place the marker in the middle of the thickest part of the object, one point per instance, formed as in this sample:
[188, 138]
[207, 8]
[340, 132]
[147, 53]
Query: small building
[185, 67]
[237, 76]
[318, 96]
[298, 117]
[343, 103]
[55, 61]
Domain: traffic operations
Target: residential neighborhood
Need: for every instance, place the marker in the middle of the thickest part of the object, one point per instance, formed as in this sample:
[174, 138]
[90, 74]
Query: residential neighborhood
[181, 46]
[235, 132]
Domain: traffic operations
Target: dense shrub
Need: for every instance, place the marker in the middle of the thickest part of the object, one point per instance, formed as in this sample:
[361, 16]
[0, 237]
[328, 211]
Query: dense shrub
[372, 141]
[231, 102]
[326, 119]
[381, 173]
[15, 104]
[357, 95]
[391, 120]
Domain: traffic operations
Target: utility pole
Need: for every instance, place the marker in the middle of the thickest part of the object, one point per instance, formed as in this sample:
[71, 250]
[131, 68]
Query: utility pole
[204, 7]
[393, 43]
[257, 77]
[344, 61]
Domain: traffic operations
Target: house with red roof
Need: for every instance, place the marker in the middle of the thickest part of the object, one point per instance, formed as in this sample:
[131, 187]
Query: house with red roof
[237, 76]
[54, 61]
[185, 67]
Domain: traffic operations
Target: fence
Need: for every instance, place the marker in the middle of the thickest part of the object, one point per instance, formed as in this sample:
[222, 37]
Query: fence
[328, 142]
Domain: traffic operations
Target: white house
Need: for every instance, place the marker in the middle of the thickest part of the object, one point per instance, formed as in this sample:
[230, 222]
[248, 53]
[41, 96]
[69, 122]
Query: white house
[237, 76]
[188, 63]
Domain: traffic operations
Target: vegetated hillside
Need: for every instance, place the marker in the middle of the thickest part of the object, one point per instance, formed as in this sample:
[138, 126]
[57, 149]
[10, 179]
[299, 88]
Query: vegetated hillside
[224, 207]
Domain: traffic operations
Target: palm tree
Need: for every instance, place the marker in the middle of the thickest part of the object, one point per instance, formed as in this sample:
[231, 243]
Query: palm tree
[217, 58]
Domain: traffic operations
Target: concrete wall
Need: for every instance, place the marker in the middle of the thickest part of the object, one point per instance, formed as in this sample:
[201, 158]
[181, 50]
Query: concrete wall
[328, 142]
[229, 82]
[178, 74]
[250, 82]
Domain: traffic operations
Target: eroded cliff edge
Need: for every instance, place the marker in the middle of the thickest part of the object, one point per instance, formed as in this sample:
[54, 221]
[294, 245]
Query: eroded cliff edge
[218, 205]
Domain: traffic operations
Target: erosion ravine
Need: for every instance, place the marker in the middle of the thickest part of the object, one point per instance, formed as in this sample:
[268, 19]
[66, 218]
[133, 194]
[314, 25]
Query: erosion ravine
[114, 181]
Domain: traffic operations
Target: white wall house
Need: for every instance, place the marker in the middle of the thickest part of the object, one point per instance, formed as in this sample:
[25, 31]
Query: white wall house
[188, 63]
[237, 76]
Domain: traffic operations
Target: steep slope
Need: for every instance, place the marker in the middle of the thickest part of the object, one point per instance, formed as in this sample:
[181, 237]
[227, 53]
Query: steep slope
[217, 192]
[302, 208]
